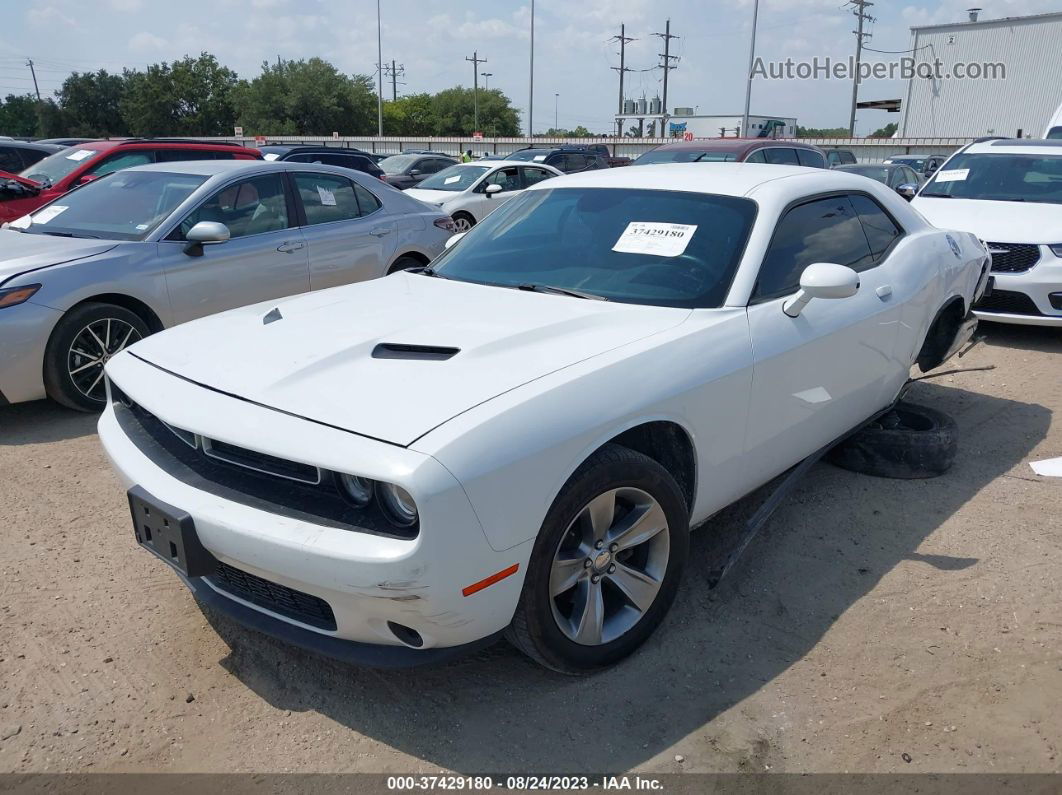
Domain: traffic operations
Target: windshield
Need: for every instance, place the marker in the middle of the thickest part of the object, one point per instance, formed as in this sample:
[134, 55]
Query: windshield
[664, 248]
[684, 156]
[454, 178]
[874, 172]
[536, 155]
[126, 205]
[54, 167]
[1054, 134]
[397, 164]
[917, 163]
[1000, 177]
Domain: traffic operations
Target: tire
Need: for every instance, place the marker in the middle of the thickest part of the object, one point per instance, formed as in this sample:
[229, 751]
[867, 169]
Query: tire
[464, 221]
[909, 442]
[544, 625]
[71, 378]
[405, 263]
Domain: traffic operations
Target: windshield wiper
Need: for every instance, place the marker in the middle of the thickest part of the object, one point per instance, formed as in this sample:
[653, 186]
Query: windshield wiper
[546, 288]
[428, 270]
[70, 234]
[935, 196]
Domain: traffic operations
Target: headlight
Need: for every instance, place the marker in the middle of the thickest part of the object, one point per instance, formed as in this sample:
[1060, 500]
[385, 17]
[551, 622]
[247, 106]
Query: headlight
[13, 296]
[397, 504]
[1056, 249]
[356, 490]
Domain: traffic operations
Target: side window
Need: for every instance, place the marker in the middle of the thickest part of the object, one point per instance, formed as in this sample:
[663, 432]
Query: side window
[367, 203]
[535, 175]
[9, 159]
[326, 198]
[781, 155]
[508, 178]
[810, 158]
[430, 166]
[177, 155]
[756, 157]
[823, 230]
[122, 160]
[303, 158]
[574, 162]
[250, 207]
[880, 229]
[896, 177]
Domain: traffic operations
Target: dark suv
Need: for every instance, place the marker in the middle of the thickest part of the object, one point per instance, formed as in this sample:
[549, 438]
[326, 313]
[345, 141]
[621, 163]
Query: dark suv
[16, 156]
[68, 168]
[569, 159]
[328, 155]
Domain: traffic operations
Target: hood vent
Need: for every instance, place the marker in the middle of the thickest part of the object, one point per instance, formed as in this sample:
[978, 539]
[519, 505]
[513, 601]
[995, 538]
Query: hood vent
[394, 350]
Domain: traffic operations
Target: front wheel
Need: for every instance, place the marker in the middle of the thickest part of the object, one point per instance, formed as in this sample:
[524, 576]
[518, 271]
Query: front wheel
[83, 341]
[606, 565]
[463, 222]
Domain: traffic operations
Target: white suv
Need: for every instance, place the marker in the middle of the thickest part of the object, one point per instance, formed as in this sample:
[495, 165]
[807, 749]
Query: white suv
[1009, 194]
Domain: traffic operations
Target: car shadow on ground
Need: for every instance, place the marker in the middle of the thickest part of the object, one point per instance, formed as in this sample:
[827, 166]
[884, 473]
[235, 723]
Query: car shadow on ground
[43, 421]
[827, 546]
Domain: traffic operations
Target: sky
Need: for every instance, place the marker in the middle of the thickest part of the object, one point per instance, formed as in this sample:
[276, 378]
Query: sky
[574, 83]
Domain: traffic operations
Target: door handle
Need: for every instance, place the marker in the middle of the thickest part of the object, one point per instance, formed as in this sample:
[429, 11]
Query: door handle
[290, 247]
[884, 291]
[380, 231]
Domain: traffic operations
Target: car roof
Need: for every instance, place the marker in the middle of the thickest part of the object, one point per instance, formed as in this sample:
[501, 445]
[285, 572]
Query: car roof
[728, 179]
[210, 168]
[735, 145]
[288, 148]
[1017, 146]
[37, 147]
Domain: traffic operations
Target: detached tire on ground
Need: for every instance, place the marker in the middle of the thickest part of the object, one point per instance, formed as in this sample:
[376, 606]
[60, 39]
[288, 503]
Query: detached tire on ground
[909, 442]
[606, 564]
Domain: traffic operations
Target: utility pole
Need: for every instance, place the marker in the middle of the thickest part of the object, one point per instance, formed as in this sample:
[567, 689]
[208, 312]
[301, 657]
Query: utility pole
[394, 73]
[623, 42]
[556, 105]
[668, 58]
[29, 63]
[475, 60]
[486, 80]
[859, 11]
[748, 85]
[531, 90]
[379, 71]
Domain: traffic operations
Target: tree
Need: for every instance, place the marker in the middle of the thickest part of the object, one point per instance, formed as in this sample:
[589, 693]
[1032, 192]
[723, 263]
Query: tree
[191, 97]
[51, 121]
[454, 113]
[887, 131]
[822, 132]
[409, 115]
[18, 115]
[306, 98]
[91, 104]
[633, 131]
[560, 132]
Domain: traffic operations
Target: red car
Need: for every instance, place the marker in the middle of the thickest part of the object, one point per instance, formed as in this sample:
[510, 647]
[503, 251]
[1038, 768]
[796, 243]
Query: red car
[739, 150]
[56, 174]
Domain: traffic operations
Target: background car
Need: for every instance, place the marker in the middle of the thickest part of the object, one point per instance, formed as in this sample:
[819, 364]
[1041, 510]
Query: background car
[152, 246]
[926, 165]
[406, 170]
[68, 168]
[328, 155]
[15, 156]
[468, 192]
[1009, 194]
[840, 157]
[65, 141]
[739, 150]
[902, 179]
[569, 159]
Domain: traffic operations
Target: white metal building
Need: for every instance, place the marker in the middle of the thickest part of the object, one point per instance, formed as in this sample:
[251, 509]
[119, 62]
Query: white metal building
[1030, 48]
[730, 126]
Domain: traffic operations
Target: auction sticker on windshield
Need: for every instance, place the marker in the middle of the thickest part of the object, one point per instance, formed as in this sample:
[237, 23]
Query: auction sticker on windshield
[328, 199]
[47, 214]
[660, 240]
[80, 154]
[953, 175]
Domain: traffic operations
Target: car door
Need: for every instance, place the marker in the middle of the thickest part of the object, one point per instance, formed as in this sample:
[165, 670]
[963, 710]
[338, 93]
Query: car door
[349, 236]
[264, 258]
[511, 183]
[820, 374]
[532, 175]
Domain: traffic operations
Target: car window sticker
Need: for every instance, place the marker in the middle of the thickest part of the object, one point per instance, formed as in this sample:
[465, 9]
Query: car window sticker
[80, 155]
[657, 239]
[47, 214]
[328, 199]
[953, 175]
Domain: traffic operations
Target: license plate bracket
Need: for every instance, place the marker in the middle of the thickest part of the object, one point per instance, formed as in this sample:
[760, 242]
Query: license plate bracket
[169, 533]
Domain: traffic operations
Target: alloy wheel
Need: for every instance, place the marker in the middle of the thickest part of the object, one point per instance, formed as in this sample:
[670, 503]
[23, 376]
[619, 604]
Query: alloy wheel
[462, 224]
[92, 348]
[609, 566]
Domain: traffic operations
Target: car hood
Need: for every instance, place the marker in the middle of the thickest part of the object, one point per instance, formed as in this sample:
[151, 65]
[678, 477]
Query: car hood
[435, 197]
[996, 222]
[320, 359]
[20, 252]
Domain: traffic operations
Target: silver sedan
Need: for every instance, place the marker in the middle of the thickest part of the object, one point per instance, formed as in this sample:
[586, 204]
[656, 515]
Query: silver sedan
[149, 247]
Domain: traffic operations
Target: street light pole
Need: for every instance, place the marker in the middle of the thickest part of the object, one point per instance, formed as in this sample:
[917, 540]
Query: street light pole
[531, 90]
[486, 80]
[752, 61]
[379, 71]
[556, 104]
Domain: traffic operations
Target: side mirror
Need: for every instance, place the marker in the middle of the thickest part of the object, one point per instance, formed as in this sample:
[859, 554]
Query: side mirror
[204, 233]
[490, 190]
[85, 179]
[907, 190]
[822, 280]
[415, 172]
[453, 239]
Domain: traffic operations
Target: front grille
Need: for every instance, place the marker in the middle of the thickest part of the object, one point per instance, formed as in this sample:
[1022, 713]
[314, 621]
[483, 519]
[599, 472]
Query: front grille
[276, 598]
[260, 462]
[1008, 302]
[1013, 257]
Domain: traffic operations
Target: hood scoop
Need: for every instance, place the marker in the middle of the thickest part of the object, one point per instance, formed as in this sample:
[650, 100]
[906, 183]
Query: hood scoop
[394, 350]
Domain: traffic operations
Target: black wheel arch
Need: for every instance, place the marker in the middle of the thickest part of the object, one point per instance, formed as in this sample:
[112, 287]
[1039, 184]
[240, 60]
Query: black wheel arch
[941, 333]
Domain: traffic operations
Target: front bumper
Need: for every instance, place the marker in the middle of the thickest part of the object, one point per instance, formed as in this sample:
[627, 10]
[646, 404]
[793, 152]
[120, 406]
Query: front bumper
[24, 332]
[1036, 285]
[367, 580]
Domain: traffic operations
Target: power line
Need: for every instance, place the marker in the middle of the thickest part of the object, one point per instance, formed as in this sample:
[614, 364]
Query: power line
[666, 65]
[859, 9]
[475, 60]
[394, 73]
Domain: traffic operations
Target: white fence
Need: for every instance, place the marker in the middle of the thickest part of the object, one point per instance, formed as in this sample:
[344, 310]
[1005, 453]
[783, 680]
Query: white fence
[866, 150]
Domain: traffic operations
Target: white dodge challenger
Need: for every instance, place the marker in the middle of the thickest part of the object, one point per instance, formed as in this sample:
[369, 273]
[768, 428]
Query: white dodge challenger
[518, 438]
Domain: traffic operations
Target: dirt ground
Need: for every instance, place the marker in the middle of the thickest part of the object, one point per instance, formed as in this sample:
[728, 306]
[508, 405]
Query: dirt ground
[875, 625]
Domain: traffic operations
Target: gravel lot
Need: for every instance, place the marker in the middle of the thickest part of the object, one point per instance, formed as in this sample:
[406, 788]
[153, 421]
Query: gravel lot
[875, 625]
